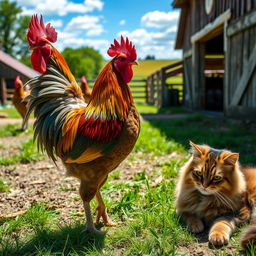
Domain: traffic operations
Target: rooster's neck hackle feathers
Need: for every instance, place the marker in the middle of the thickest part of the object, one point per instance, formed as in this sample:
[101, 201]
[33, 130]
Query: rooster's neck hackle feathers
[111, 98]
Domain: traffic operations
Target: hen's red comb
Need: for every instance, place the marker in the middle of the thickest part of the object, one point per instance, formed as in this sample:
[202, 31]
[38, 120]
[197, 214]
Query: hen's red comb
[83, 79]
[38, 32]
[125, 47]
[17, 82]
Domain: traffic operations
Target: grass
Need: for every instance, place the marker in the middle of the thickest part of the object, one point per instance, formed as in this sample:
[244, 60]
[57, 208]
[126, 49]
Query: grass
[3, 186]
[146, 67]
[11, 112]
[28, 153]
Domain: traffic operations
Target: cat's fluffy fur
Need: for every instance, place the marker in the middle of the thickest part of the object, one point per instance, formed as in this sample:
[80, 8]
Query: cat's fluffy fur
[213, 190]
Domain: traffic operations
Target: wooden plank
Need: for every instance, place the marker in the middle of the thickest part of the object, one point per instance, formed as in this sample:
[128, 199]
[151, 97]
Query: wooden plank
[243, 82]
[198, 79]
[2, 91]
[187, 54]
[243, 23]
[204, 33]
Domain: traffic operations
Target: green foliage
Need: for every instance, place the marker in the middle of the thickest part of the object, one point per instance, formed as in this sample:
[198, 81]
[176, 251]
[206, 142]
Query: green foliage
[83, 61]
[13, 27]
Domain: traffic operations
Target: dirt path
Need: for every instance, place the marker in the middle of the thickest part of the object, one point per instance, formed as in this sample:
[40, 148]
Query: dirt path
[5, 121]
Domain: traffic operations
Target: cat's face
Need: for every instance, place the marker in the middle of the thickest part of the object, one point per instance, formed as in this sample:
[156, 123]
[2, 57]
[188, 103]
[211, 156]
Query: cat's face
[212, 170]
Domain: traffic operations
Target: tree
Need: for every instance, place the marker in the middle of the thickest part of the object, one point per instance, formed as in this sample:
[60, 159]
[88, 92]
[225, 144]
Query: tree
[83, 61]
[150, 57]
[13, 27]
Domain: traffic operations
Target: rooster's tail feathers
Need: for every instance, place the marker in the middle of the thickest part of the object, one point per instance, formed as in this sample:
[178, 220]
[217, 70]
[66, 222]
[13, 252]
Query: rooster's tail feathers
[52, 98]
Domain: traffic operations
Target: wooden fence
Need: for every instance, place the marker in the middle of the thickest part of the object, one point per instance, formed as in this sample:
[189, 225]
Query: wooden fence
[165, 86]
[162, 88]
[138, 89]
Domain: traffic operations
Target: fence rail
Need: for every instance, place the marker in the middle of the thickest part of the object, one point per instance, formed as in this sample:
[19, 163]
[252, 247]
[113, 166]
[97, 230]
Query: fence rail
[162, 87]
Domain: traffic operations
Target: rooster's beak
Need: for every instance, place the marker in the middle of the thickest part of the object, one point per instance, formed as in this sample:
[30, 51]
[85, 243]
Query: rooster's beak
[134, 63]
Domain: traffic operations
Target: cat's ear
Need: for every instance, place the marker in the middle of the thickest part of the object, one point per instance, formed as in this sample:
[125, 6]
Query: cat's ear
[229, 157]
[197, 150]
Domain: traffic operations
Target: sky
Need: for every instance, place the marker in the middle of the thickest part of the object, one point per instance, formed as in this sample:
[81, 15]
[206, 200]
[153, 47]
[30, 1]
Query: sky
[150, 24]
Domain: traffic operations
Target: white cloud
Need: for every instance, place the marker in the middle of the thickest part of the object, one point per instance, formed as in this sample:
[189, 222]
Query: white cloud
[88, 23]
[122, 22]
[157, 19]
[160, 44]
[55, 23]
[59, 7]
[69, 39]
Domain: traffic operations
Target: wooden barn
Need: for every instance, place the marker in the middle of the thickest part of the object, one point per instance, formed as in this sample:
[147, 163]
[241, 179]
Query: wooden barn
[9, 69]
[218, 39]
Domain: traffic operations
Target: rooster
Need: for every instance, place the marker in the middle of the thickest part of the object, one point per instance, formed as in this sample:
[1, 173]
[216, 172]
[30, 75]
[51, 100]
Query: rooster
[18, 100]
[90, 139]
[85, 89]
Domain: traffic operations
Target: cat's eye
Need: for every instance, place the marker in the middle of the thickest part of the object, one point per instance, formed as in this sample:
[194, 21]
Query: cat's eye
[197, 173]
[217, 178]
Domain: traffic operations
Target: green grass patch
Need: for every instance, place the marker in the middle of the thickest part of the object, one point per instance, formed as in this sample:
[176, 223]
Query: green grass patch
[152, 140]
[217, 132]
[28, 153]
[13, 130]
[3, 186]
[146, 67]
[11, 112]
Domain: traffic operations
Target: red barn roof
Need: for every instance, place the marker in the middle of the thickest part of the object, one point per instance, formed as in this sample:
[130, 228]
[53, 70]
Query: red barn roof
[18, 66]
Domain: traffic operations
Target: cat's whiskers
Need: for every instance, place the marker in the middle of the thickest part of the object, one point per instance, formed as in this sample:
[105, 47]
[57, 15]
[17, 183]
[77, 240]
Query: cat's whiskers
[225, 200]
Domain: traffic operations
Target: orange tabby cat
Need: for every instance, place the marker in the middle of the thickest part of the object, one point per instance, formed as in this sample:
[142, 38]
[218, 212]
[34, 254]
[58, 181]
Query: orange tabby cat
[213, 190]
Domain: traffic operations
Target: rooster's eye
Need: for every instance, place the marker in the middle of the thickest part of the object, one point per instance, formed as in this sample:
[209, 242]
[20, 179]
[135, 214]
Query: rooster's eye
[122, 59]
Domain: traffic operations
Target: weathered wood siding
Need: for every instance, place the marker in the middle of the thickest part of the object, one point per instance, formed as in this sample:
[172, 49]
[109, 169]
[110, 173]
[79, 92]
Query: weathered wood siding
[241, 49]
[197, 18]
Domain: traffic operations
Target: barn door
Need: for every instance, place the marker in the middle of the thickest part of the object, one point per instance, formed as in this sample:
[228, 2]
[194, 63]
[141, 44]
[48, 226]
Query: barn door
[241, 64]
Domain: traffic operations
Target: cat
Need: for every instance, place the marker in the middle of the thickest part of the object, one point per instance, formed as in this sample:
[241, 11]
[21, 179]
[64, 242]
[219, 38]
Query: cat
[214, 191]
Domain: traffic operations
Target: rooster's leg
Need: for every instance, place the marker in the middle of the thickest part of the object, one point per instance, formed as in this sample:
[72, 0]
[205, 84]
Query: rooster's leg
[87, 193]
[102, 212]
[89, 221]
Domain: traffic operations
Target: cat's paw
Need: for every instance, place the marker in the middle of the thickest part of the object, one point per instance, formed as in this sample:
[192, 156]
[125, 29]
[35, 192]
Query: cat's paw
[218, 239]
[197, 226]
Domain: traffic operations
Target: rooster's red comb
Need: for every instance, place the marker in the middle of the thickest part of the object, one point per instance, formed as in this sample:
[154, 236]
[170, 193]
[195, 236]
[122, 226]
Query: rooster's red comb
[38, 32]
[124, 47]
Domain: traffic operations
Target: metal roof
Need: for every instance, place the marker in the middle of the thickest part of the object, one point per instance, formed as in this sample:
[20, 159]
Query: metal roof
[18, 66]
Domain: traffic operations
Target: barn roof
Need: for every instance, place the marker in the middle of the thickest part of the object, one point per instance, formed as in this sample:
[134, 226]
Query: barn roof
[16, 65]
[179, 3]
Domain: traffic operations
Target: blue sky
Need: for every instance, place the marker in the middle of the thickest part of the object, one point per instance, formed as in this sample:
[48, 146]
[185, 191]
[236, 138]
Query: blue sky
[151, 25]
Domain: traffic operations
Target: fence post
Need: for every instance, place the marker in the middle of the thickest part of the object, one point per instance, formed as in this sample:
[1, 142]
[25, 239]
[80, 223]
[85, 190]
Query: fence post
[2, 91]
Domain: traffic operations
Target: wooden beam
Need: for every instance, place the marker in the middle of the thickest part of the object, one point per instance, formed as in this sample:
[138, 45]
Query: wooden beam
[187, 54]
[248, 69]
[243, 23]
[212, 29]
[198, 79]
[2, 91]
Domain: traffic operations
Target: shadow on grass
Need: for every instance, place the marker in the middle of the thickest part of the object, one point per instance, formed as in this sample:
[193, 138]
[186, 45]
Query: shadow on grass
[217, 132]
[66, 240]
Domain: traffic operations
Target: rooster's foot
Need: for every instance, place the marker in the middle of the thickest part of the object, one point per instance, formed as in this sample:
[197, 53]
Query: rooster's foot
[102, 212]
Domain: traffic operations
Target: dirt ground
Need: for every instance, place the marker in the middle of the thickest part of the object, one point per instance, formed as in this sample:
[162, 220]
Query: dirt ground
[43, 181]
